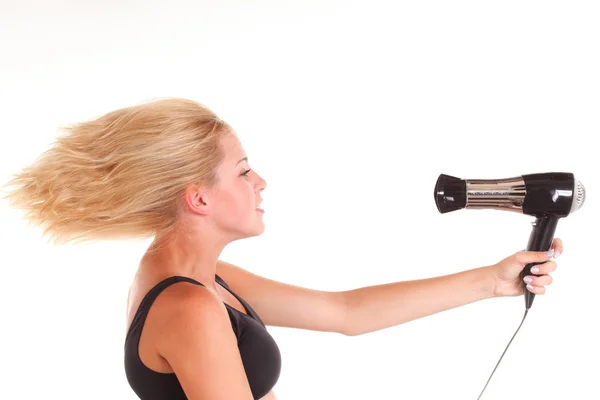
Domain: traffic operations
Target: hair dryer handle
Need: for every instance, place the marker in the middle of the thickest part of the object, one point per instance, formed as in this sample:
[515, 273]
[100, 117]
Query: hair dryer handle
[540, 239]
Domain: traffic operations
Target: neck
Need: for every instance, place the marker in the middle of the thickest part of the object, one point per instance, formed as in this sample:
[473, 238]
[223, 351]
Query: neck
[190, 254]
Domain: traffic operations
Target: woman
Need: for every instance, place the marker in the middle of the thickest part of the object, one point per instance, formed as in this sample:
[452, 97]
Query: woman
[196, 325]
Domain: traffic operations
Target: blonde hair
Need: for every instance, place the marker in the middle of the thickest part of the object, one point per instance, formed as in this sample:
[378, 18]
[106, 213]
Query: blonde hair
[122, 175]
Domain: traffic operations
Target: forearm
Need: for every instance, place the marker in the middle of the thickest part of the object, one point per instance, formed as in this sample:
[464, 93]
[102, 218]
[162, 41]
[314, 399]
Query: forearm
[377, 307]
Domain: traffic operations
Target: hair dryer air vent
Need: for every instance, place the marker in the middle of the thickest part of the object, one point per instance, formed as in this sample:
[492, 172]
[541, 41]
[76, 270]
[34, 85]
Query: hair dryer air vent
[579, 196]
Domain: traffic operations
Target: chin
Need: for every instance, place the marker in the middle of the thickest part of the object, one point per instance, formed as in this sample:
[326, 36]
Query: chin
[260, 231]
[253, 231]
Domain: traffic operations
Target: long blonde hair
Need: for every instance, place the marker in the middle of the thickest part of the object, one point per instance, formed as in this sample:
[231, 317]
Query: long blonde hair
[122, 175]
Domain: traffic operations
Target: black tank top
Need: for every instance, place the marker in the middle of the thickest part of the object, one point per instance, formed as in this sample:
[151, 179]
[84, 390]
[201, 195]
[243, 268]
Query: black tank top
[259, 352]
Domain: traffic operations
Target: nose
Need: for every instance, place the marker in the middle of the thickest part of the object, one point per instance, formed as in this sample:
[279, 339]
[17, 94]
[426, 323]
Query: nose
[261, 185]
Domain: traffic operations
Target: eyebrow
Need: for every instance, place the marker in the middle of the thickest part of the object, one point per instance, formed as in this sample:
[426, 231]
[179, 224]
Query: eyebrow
[243, 159]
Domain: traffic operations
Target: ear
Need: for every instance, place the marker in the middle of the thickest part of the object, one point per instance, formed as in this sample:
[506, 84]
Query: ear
[196, 199]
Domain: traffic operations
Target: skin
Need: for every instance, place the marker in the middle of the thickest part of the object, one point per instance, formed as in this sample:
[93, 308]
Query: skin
[211, 219]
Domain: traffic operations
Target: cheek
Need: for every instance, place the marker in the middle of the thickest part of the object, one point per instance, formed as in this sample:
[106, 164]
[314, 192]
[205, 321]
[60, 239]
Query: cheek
[235, 204]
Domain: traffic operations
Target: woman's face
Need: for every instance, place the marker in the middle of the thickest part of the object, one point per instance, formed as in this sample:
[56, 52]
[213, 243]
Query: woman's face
[233, 203]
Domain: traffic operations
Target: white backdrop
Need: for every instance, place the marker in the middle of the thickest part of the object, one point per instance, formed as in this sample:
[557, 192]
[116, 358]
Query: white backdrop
[350, 110]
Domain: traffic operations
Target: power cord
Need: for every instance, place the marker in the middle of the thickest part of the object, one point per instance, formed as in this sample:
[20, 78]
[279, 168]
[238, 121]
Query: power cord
[526, 311]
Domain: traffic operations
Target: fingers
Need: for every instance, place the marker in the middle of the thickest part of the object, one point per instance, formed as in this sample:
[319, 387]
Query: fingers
[536, 289]
[557, 246]
[537, 284]
[526, 257]
[538, 281]
[545, 268]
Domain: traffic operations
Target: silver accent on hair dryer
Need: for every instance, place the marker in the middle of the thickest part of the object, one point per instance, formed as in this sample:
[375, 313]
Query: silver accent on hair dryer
[499, 194]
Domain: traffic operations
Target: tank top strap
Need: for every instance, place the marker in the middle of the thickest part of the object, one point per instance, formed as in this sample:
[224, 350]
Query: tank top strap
[221, 281]
[144, 307]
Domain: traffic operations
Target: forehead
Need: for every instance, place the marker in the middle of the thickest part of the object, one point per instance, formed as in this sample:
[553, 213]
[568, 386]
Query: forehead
[234, 151]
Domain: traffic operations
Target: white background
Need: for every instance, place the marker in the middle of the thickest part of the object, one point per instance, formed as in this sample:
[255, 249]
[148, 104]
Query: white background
[350, 110]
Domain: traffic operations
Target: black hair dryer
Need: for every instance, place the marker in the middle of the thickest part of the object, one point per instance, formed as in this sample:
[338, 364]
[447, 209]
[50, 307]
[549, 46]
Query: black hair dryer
[546, 196]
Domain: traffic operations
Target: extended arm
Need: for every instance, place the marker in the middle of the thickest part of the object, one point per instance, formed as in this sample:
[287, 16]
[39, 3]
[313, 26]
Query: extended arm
[357, 311]
[382, 306]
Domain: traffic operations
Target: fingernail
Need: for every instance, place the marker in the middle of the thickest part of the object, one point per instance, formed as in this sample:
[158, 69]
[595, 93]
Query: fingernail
[557, 254]
[549, 253]
[535, 270]
[529, 287]
[528, 280]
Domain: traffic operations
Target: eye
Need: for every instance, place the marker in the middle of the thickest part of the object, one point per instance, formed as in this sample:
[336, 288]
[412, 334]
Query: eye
[246, 172]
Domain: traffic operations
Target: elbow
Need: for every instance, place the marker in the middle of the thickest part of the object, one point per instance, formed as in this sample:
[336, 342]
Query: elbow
[347, 327]
[350, 332]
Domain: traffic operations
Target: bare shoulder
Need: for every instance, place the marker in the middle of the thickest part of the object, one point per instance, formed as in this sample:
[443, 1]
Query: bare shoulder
[197, 340]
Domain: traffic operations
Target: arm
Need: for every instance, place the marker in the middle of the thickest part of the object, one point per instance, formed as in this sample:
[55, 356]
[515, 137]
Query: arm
[377, 307]
[197, 341]
[358, 311]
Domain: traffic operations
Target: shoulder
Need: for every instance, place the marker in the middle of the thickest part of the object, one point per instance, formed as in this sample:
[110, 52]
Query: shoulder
[195, 333]
[189, 314]
[183, 300]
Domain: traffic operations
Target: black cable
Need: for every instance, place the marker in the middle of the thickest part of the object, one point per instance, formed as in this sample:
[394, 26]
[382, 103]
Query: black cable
[526, 310]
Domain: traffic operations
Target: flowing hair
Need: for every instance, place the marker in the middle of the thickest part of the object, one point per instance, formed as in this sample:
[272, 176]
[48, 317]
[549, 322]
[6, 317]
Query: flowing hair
[122, 175]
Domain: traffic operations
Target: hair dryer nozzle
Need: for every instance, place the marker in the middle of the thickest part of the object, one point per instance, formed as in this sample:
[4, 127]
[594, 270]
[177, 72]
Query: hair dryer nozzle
[450, 193]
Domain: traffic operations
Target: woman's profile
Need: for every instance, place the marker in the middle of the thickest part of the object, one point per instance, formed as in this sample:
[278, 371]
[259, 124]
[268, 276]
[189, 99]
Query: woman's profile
[174, 171]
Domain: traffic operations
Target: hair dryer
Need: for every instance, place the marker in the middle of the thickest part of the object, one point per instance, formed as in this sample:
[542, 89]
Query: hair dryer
[546, 196]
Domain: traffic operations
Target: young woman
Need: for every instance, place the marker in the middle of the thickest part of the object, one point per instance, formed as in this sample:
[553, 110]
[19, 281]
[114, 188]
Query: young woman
[172, 170]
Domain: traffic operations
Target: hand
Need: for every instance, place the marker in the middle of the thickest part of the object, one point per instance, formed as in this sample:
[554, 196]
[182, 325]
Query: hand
[507, 273]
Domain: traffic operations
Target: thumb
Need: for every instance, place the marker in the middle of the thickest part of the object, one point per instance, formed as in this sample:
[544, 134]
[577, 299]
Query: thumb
[527, 257]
